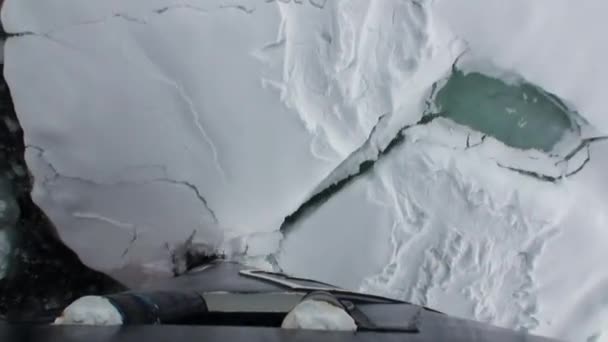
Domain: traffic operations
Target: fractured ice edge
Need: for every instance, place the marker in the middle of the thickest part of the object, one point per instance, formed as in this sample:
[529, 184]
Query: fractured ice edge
[39, 276]
[489, 107]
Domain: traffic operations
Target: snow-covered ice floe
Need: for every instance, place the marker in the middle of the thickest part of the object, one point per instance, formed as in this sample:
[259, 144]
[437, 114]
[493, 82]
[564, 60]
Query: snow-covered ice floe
[449, 153]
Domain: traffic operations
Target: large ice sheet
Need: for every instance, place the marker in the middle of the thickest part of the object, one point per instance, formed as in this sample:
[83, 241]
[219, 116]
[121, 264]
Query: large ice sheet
[201, 136]
[471, 237]
[147, 120]
[160, 118]
[467, 237]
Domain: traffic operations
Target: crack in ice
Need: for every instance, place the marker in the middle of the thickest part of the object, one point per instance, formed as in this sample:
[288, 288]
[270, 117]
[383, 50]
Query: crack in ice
[131, 242]
[333, 186]
[104, 219]
[113, 222]
[468, 144]
[320, 4]
[181, 92]
[196, 118]
[346, 172]
[164, 179]
[584, 144]
[129, 17]
[247, 10]
[549, 178]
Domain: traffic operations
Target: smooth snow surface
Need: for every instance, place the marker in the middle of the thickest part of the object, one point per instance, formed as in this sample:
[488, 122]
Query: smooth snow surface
[318, 315]
[147, 120]
[90, 310]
